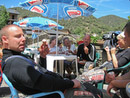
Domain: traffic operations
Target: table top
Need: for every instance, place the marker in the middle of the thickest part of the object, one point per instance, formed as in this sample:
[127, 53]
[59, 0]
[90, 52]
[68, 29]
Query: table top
[62, 56]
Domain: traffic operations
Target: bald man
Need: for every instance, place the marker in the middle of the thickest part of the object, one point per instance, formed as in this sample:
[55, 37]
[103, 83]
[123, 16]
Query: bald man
[86, 51]
[21, 73]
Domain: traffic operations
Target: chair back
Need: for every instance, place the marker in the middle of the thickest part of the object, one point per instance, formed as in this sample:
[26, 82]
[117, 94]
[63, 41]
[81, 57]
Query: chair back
[97, 58]
[14, 93]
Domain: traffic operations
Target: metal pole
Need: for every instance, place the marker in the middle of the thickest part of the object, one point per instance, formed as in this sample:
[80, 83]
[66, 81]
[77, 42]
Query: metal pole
[57, 29]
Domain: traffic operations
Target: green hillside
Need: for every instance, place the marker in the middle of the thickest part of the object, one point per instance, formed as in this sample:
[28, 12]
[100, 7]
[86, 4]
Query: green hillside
[113, 21]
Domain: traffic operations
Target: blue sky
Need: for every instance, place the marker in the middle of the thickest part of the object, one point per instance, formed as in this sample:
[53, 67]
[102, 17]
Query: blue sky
[103, 7]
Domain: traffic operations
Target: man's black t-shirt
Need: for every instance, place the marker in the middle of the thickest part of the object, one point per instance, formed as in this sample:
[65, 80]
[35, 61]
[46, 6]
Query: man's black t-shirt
[88, 57]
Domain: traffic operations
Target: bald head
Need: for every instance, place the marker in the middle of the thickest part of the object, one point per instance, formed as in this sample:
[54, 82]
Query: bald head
[8, 28]
[86, 39]
[87, 35]
[12, 37]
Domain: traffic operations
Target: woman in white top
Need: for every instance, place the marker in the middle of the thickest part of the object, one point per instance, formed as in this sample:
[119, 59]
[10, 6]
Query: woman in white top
[52, 45]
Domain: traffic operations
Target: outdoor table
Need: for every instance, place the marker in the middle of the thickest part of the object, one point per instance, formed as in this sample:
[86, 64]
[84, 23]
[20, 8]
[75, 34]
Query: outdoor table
[61, 57]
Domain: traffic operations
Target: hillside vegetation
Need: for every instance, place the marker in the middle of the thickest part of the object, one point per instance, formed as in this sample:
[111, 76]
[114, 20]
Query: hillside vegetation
[113, 21]
[80, 25]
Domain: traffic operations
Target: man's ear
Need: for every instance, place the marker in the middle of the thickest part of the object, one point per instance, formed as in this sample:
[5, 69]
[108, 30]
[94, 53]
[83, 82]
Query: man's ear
[4, 39]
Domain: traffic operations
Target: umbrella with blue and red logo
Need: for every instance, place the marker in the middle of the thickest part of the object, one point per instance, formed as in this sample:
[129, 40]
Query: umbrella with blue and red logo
[65, 8]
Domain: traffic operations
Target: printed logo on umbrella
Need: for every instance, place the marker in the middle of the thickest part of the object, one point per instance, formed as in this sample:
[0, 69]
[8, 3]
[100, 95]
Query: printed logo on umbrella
[23, 23]
[73, 11]
[52, 25]
[83, 4]
[38, 9]
[35, 2]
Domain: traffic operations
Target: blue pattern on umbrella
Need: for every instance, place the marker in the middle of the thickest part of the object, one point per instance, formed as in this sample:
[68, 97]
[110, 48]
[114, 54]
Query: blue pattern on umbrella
[38, 22]
[67, 8]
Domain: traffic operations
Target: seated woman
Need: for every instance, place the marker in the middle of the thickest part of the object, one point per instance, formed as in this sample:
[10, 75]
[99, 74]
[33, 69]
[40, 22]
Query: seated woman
[52, 45]
[117, 59]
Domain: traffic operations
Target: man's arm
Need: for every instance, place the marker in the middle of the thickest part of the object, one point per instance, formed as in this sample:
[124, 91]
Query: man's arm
[29, 77]
[124, 77]
[114, 58]
[92, 53]
[115, 84]
[119, 82]
[108, 53]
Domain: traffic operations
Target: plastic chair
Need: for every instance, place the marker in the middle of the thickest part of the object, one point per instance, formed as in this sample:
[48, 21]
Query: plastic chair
[14, 93]
[128, 89]
[122, 70]
[97, 58]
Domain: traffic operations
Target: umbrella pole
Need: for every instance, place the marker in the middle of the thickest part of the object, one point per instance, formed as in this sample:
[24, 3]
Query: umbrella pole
[33, 38]
[38, 39]
[57, 29]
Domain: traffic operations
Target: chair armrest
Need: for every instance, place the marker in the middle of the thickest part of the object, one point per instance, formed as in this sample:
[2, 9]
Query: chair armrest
[14, 93]
[120, 68]
[46, 93]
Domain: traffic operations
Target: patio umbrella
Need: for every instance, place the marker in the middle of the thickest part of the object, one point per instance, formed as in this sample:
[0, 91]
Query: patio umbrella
[38, 23]
[67, 8]
[59, 9]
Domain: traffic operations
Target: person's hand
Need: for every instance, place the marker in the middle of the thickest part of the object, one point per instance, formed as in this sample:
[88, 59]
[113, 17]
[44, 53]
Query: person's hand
[86, 49]
[44, 50]
[113, 50]
[70, 51]
[109, 77]
[76, 83]
[109, 88]
[107, 49]
[82, 62]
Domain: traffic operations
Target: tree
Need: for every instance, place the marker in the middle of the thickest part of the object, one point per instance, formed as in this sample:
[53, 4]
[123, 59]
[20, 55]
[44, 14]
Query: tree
[4, 16]
[129, 18]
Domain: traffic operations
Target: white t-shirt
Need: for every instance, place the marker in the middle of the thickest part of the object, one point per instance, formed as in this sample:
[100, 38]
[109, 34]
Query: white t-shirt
[52, 49]
[72, 48]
